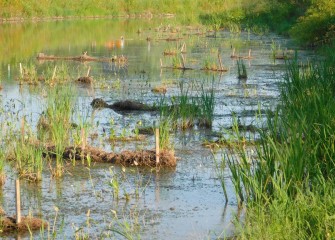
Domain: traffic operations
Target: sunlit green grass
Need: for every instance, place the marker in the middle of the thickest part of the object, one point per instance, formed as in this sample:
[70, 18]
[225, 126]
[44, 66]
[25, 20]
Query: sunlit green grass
[288, 186]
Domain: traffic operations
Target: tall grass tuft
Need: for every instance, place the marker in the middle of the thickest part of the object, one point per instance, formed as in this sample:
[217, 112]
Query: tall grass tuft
[26, 156]
[57, 122]
[2, 167]
[186, 110]
[206, 105]
[241, 70]
[290, 184]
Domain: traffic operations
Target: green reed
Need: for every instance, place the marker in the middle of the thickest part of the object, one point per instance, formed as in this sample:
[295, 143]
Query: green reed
[206, 105]
[28, 74]
[184, 111]
[186, 108]
[241, 70]
[164, 133]
[28, 160]
[275, 48]
[209, 63]
[25, 154]
[58, 118]
[2, 147]
[2, 166]
[290, 183]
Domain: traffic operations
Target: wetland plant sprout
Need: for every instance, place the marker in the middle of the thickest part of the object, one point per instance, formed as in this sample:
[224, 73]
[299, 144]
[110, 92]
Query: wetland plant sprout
[291, 182]
[241, 70]
[27, 157]
[28, 74]
[207, 104]
[126, 225]
[58, 116]
[2, 166]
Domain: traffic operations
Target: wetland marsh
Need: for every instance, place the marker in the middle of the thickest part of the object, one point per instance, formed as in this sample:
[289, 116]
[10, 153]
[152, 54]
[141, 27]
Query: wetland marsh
[89, 200]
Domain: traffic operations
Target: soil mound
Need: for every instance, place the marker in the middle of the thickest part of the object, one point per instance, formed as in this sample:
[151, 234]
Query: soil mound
[126, 158]
[8, 224]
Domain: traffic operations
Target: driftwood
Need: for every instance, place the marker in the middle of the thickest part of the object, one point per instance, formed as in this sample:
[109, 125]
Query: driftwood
[180, 68]
[126, 105]
[170, 39]
[84, 58]
[234, 56]
[126, 158]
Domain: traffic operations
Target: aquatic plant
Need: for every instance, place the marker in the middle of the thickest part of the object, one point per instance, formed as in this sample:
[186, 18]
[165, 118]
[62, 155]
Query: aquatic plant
[26, 156]
[114, 183]
[137, 128]
[28, 74]
[206, 107]
[57, 74]
[170, 51]
[176, 63]
[241, 70]
[29, 161]
[58, 122]
[2, 167]
[294, 160]
[126, 226]
[164, 132]
[274, 49]
[210, 64]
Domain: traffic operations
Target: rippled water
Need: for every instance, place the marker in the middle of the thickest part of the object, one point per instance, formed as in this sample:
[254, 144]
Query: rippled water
[182, 203]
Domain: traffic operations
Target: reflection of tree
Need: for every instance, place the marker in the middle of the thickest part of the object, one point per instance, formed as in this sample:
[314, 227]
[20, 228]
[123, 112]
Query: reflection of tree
[25, 40]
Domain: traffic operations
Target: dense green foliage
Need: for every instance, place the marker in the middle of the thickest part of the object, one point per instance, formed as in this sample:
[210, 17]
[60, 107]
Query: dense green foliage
[317, 26]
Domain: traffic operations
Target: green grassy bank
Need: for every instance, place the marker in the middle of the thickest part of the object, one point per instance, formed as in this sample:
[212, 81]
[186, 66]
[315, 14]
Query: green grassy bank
[310, 22]
[288, 187]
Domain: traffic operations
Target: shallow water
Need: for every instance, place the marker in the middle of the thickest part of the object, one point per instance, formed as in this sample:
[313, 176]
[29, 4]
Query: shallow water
[182, 203]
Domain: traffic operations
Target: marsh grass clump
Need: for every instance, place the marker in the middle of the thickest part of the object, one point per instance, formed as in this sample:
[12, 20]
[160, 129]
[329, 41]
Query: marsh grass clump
[176, 62]
[275, 48]
[2, 167]
[291, 181]
[164, 133]
[206, 105]
[28, 159]
[186, 110]
[25, 156]
[29, 75]
[241, 70]
[210, 64]
[171, 51]
[57, 74]
[58, 121]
